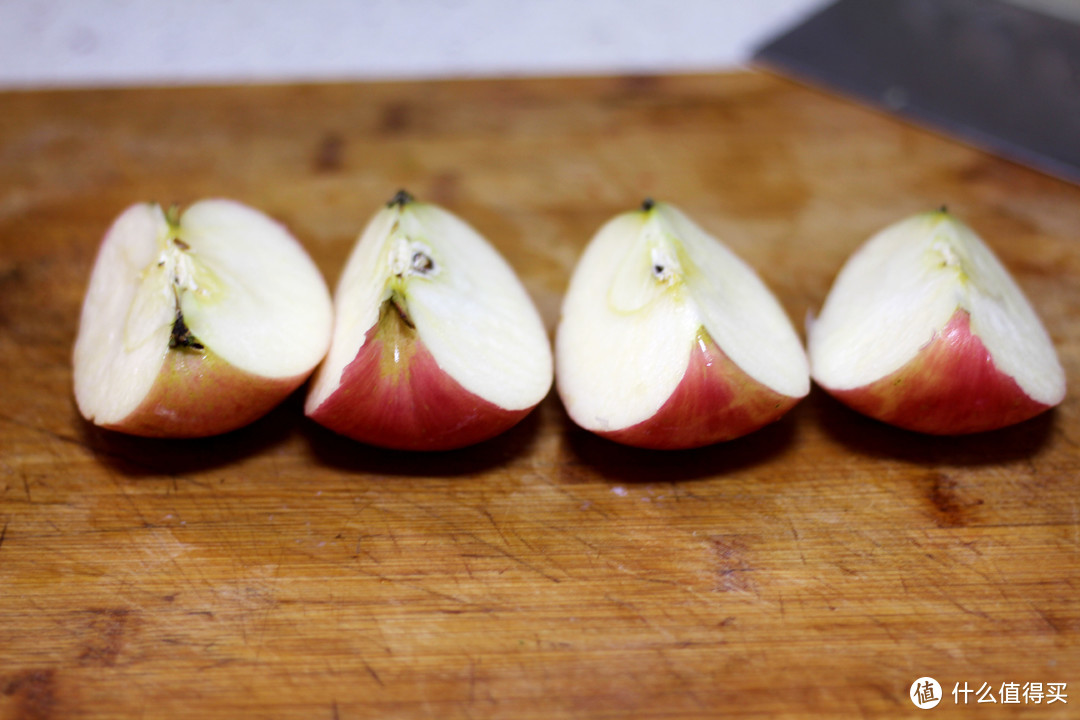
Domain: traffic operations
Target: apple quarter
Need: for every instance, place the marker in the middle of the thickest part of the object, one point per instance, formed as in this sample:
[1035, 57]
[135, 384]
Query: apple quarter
[669, 340]
[197, 323]
[437, 345]
[924, 328]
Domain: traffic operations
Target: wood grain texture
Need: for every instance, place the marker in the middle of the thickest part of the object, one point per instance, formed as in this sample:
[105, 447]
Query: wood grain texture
[815, 568]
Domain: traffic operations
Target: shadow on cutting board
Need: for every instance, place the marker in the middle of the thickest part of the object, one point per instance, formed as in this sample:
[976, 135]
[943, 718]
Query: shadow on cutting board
[582, 456]
[347, 455]
[596, 456]
[871, 438]
[138, 457]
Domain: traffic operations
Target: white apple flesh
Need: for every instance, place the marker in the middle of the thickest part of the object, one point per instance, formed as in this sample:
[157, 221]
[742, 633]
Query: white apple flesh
[668, 340]
[436, 344]
[197, 324]
[925, 329]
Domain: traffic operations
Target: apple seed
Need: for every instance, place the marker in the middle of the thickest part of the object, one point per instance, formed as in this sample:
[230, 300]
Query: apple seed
[422, 263]
[181, 336]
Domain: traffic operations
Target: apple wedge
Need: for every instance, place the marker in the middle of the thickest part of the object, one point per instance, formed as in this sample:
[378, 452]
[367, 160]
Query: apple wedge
[668, 340]
[198, 323]
[436, 344]
[925, 329]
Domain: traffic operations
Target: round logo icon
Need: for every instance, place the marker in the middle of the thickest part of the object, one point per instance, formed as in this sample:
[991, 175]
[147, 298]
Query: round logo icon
[925, 693]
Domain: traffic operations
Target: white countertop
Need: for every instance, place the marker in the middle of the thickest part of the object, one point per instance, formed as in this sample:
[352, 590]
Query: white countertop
[73, 43]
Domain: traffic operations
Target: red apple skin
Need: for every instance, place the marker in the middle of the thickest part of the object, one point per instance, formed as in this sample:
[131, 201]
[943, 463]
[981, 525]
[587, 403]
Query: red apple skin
[197, 394]
[394, 395]
[952, 387]
[715, 401]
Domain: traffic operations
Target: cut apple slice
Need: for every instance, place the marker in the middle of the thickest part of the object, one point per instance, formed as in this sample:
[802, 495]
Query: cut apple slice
[669, 340]
[925, 329]
[436, 345]
[197, 324]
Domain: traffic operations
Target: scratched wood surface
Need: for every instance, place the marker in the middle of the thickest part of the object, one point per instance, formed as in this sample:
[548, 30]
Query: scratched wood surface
[815, 568]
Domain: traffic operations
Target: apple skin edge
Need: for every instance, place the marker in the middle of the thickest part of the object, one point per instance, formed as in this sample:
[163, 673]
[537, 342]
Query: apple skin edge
[714, 402]
[952, 387]
[394, 395]
[197, 394]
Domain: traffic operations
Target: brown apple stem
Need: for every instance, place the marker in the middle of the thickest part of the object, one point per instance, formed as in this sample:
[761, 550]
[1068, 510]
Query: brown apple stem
[401, 198]
[399, 305]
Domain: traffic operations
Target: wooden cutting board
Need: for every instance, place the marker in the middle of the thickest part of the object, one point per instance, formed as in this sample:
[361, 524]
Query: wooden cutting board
[817, 567]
